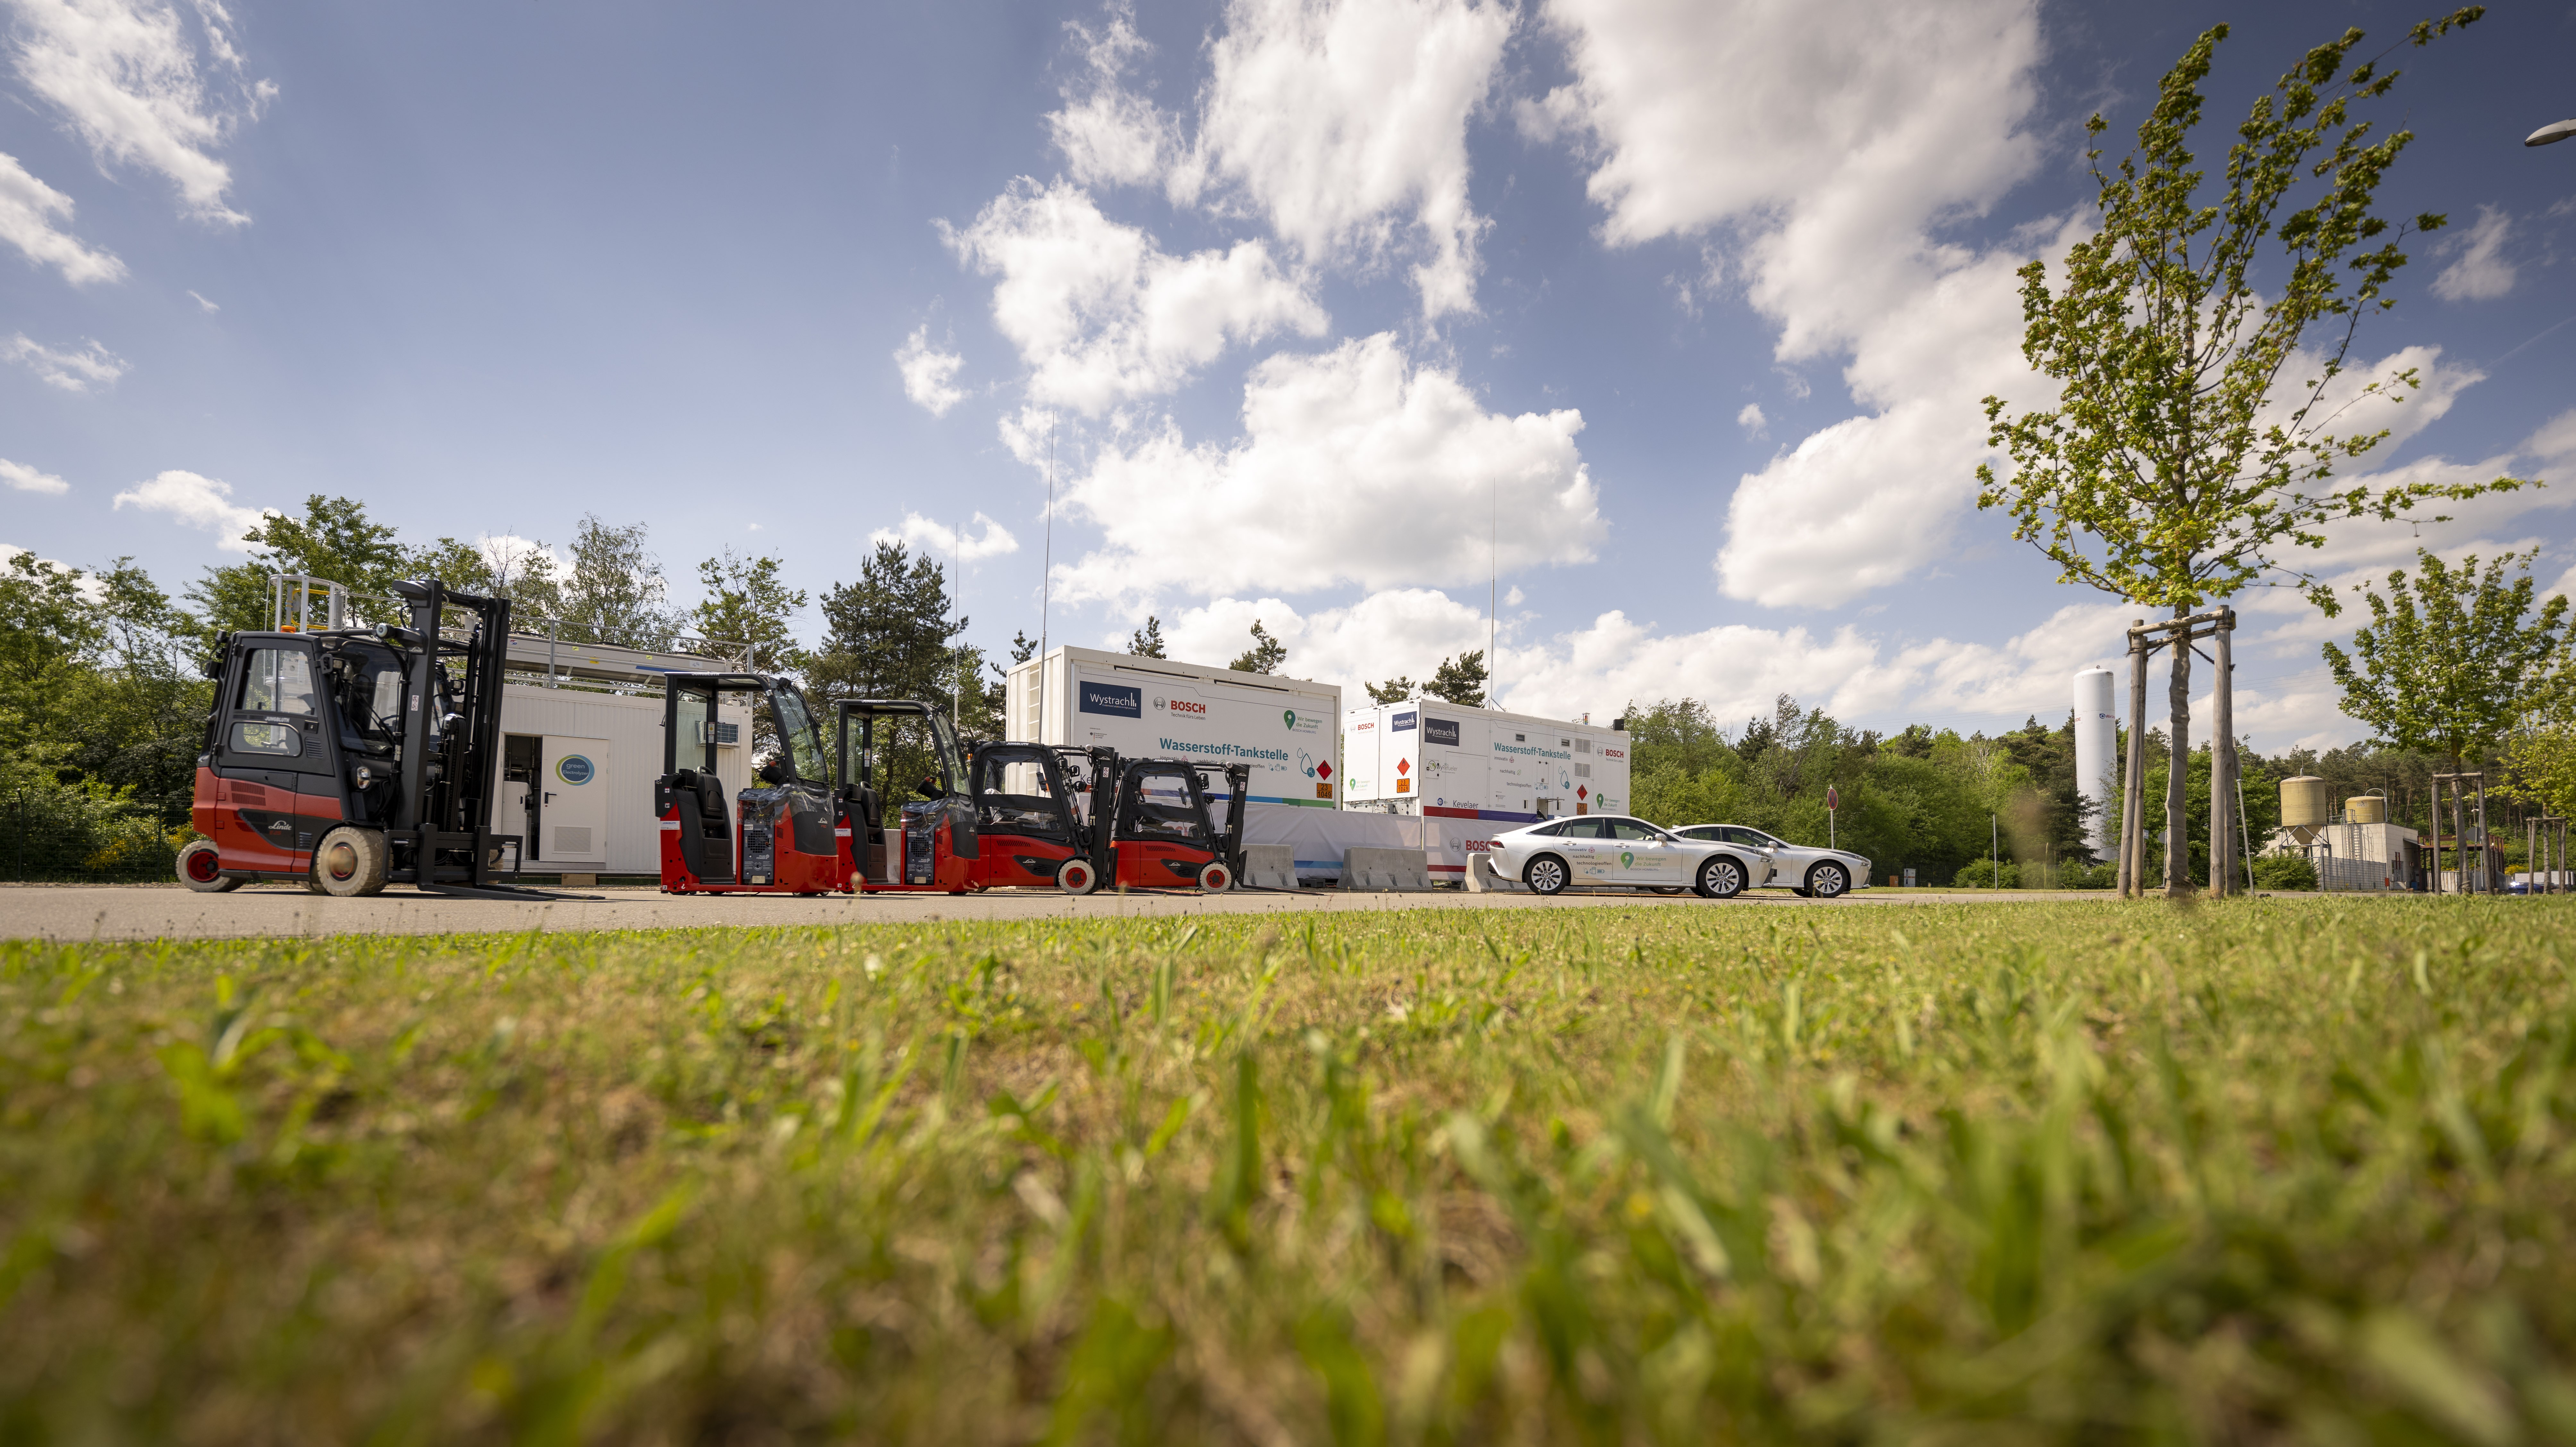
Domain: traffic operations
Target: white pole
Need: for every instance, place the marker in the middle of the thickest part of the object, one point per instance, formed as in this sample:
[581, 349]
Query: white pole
[1046, 585]
[956, 679]
[1493, 588]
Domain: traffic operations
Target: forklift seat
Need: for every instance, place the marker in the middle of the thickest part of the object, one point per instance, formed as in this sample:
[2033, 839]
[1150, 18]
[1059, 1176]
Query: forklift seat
[706, 827]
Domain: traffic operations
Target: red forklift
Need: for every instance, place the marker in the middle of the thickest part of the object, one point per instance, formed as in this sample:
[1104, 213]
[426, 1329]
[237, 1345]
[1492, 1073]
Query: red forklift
[792, 836]
[346, 759]
[1152, 828]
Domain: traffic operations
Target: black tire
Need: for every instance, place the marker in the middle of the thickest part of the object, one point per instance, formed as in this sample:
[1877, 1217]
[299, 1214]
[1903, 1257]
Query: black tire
[199, 868]
[1720, 877]
[1802, 891]
[1076, 876]
[1666, 888]
[1215, 878]
[349, 863]
[1546, 874]
[1828, 881]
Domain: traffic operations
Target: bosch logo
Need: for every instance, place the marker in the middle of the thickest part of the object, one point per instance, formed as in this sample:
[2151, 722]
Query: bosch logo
[1613, 754]
[1182, 705]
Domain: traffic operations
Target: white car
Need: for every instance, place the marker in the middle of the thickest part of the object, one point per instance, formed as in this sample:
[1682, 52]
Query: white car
[1610, 849]
[1777, 864]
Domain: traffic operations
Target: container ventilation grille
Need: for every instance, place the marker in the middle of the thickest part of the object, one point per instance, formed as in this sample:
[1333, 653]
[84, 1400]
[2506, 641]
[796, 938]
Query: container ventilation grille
[571, 841]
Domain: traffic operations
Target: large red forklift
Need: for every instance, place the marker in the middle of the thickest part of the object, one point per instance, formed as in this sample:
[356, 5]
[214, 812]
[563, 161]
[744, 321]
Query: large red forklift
[346, 759]
[1153, 829]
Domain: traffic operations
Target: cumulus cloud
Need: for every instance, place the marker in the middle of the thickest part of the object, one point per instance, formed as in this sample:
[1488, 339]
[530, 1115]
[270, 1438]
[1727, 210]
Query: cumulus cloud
[943, 542]
[1851, 132]
[198, 502]
[125, 75]
[2478, 270]
[31, 214]
[1102, 315]
[1354, 467]
[23, 478]
[1752, 420]
[1341, 123]
[929, 373]
[73, 371]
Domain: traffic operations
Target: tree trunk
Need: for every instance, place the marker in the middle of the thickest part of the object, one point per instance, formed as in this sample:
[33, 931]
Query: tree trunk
[2178, 774]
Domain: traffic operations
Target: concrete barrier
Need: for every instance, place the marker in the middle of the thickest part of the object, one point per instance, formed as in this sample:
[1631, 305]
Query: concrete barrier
[1269, 866]
[1481, 878]
[1397, 869]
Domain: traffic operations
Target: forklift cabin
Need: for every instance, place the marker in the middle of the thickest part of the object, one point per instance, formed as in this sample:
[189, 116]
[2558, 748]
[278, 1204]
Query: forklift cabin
[789, 838]
[1032, 825]
[349, 758]
[1159, 834]
[933, 845]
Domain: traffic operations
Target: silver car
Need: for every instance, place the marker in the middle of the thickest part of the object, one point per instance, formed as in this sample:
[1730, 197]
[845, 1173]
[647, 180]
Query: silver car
[1610, 849]
[1777, 864]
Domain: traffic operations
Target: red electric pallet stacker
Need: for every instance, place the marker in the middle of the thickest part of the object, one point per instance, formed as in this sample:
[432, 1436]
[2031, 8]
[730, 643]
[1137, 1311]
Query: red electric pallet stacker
[349, 758]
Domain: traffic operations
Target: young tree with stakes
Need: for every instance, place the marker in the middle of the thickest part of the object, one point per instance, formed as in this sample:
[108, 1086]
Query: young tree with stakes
[2168, 472]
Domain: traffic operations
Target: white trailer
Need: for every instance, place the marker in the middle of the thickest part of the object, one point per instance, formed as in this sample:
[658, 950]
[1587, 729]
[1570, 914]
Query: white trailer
[1470, 773]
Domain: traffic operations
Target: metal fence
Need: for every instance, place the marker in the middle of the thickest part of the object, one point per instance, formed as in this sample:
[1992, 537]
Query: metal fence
[2359, 876]
[60, 836]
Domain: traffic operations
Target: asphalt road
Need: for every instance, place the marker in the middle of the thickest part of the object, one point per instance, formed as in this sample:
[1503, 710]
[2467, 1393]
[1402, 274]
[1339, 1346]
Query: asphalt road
[149, 912]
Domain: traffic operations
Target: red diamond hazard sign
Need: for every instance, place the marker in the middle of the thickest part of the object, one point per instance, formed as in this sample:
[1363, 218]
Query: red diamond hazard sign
[1404, 766]
[1583, 791]
[1324, 770]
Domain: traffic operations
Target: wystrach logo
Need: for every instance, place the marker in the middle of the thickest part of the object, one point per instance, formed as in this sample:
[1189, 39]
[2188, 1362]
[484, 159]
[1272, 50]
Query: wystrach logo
[1440, 731]
[1403, 722]
[1124, 700]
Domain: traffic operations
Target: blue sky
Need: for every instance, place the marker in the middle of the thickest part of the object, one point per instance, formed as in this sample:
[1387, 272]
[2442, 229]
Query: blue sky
[1690, 304]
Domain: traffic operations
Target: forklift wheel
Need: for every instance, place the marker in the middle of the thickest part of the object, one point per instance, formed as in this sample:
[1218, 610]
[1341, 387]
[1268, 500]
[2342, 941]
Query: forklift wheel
[201, 866]
[350, 862]
[1216, 878]
[1076, 876]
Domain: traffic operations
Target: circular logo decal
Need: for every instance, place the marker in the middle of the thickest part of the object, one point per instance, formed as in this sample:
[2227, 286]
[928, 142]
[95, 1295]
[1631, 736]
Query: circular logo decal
[575, 769]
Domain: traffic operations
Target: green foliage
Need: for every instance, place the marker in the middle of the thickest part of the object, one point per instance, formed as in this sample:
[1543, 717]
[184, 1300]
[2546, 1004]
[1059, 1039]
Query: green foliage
[615, 592]
[887, 635]
[98, 695]
[1264, 656]
[334, 540]
[2285, 871]
[1460, 680]
[1395, 690]
[515, 568]
[747, 606]
[2449, 662]
[2171, 470]
[1147, 642]
[2047, 1172]
[1982, 874]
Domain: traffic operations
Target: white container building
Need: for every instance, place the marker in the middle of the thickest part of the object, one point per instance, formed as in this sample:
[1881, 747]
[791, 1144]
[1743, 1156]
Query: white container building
[1154, 708]
[1471, 773]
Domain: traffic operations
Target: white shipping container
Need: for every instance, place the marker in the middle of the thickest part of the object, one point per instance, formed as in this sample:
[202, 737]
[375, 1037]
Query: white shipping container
[1155, 708]
[1471, 773]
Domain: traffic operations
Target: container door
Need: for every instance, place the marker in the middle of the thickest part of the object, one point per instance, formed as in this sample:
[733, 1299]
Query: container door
[573, 801]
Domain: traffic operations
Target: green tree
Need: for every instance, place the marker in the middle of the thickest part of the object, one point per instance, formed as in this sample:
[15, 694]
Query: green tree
[47, 629]
[334, 540]
[1460, 680]
[616, 590]
[747, 605]
[2450, 661]
[519, 569]
[1147, 642]
[2178, 464]
[1264, 656]
[1394, 690]
[887, 634]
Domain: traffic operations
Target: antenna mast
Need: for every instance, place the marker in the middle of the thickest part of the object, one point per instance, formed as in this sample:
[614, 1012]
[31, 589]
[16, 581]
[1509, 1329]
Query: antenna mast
[1046, 585]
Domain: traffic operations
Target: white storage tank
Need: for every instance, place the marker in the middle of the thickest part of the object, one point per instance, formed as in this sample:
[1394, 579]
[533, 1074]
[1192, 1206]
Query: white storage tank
[2097, 753]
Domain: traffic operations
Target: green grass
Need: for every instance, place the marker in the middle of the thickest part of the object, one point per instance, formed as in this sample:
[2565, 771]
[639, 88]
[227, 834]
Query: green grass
[2066, 1171]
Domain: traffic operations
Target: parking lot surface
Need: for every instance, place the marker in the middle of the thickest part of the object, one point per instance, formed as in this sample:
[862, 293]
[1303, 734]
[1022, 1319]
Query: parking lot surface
[148, 912]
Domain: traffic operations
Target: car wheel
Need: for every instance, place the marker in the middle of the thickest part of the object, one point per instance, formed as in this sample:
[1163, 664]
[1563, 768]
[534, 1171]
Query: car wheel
[1076, 876]
[1216, 878]
[349, 862]
[1720, 878]
[1666, 888]
[1828, 881]
[201, 867]
[1545, 875]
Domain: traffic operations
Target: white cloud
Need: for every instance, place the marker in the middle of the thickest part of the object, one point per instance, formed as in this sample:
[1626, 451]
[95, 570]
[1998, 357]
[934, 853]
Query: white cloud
[91, 366]
[1341, 123]
[928, 373]
[29, 210]
[943, 542]
[203, 303]
[87, 584]
[1401, 632]
[1752, 420]
[125, 74]
[27, 479]
[2478, 271]
[1102, 315]
[197, 502]
[1816, 148]
[1354, 467]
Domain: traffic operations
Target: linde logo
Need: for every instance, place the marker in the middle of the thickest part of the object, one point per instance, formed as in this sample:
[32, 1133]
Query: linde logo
[1126, 701]
[1181, 705]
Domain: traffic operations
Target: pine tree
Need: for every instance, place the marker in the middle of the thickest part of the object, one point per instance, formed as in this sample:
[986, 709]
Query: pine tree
[1394, 690]
[887, 635]
[1460, 680]
[1147, 642]
[1264, 656]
